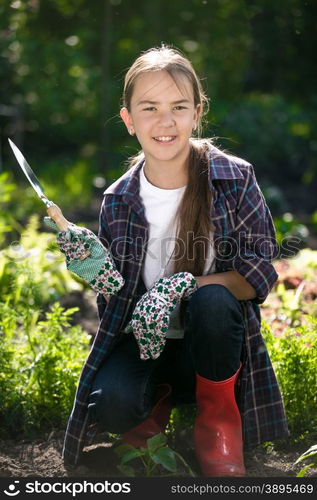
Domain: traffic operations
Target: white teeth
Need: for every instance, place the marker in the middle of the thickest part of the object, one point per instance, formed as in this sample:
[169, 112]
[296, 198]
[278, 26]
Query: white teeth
[164, 138]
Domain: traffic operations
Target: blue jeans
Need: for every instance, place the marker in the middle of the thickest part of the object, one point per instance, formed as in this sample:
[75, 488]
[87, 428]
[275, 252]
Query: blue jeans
[123, 390]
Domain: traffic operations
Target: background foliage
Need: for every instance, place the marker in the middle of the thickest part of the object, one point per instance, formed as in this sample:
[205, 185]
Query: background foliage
[62, 64]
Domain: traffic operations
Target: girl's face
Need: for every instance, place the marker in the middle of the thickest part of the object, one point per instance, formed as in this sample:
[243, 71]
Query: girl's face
[163, 116]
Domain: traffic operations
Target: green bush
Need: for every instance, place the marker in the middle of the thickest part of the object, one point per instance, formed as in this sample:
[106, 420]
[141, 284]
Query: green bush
[33, 271]
[41, 358]
[41, 355]
[287, 226]
[7, 221]
[294, 356]
[277, 134]
[69, 185]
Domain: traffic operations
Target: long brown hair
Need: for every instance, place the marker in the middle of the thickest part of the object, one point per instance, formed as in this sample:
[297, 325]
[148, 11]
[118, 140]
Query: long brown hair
[193, 217]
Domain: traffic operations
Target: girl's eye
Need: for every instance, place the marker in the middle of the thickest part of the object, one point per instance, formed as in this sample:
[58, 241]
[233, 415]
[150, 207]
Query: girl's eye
[176, 108]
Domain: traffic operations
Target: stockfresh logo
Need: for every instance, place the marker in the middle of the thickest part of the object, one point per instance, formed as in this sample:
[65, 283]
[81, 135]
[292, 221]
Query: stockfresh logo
[12, 490]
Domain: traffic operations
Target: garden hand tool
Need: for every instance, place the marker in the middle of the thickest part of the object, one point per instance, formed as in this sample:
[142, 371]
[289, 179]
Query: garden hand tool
[53, 210]
[85, 255]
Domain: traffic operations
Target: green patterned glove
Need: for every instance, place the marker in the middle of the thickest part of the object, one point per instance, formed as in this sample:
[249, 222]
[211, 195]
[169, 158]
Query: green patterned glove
[151, 316]
[88, 258]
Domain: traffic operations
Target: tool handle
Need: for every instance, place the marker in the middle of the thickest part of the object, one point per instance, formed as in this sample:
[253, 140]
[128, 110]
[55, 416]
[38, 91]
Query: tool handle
[55, 213]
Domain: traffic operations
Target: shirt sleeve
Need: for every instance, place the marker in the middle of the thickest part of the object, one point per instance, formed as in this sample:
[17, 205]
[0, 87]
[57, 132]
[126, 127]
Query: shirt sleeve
[104, 236]
[103, 231]
[256, 238]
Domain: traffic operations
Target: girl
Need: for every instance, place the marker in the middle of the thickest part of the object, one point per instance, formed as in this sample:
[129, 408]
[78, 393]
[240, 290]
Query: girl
[190, 233]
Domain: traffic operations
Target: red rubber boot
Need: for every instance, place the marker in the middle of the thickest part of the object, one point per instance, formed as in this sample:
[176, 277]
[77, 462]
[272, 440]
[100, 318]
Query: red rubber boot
[218, 428]
[155, 423]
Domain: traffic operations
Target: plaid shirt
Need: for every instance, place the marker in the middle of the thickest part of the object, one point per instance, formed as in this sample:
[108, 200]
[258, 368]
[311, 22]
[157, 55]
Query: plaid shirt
[244, 239]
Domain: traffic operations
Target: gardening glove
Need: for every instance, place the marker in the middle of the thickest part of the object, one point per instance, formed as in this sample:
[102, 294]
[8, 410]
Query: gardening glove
[151, 316]
[88, 258]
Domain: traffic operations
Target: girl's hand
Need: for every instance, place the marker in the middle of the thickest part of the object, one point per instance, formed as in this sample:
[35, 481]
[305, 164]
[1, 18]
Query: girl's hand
[151, 316]
[235, 282]
[88, 258]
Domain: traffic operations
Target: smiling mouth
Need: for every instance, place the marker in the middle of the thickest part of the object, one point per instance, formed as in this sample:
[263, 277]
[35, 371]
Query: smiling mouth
[165, 138]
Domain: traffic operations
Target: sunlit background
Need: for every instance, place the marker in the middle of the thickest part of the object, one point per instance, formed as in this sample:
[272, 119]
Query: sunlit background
[62, 64]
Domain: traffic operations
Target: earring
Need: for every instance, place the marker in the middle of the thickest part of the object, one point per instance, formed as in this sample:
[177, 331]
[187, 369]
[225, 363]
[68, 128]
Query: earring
[131, 131]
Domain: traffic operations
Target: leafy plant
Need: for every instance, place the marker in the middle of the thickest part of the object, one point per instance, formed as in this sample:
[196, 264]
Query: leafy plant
[180, 427]
[33, 270]
[69, 185]
[154, 460]
[41, 358]
[290, 304]
[287, 226]
[294, 356]
[41, 354]
[6, 219]
[311, 452]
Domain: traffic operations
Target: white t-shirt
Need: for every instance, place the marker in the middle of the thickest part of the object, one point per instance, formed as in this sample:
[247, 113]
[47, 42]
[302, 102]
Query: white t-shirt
[160, 210]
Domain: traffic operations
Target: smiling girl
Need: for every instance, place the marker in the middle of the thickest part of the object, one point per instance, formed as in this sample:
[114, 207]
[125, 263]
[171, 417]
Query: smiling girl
[190, 233]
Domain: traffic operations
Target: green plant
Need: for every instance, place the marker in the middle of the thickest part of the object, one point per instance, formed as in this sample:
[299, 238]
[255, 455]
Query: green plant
[306, 263]
[311, 452]
[41, 357]
[287, 226]
[291, 128]
[69, 185]
[154, 460]
[41, 354]
[181, 422]
[294, 356]
[290, 300]
[33, 270]
[6, 219]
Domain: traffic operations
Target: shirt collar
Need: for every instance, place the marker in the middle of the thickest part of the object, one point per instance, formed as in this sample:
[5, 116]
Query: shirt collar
[128, 183]
[128, 186]
[222, 166]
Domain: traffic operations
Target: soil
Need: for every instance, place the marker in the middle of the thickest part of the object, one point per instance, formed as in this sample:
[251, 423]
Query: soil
[42, 458]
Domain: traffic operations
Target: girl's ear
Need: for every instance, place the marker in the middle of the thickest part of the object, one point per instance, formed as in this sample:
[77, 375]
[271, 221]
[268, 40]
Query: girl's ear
[197, 112]
[196, 117]
[126, 117]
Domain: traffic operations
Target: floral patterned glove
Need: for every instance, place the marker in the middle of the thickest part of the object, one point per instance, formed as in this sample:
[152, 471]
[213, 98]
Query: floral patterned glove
[88, 258]
[150, 318]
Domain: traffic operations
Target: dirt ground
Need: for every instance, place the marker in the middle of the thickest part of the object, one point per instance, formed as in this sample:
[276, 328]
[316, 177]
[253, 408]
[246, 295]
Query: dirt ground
[42, 458]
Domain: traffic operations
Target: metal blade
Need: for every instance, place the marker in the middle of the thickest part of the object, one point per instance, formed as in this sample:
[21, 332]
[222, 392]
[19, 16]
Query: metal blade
[33, 180]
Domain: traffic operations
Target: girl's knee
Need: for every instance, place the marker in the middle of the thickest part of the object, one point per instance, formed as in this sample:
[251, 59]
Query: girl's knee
[215, 316]
[117, 410]
[212, 297]
[117, 415]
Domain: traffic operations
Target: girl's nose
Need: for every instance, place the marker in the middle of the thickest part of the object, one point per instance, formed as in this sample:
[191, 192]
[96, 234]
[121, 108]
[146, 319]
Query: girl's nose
[166, 119]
